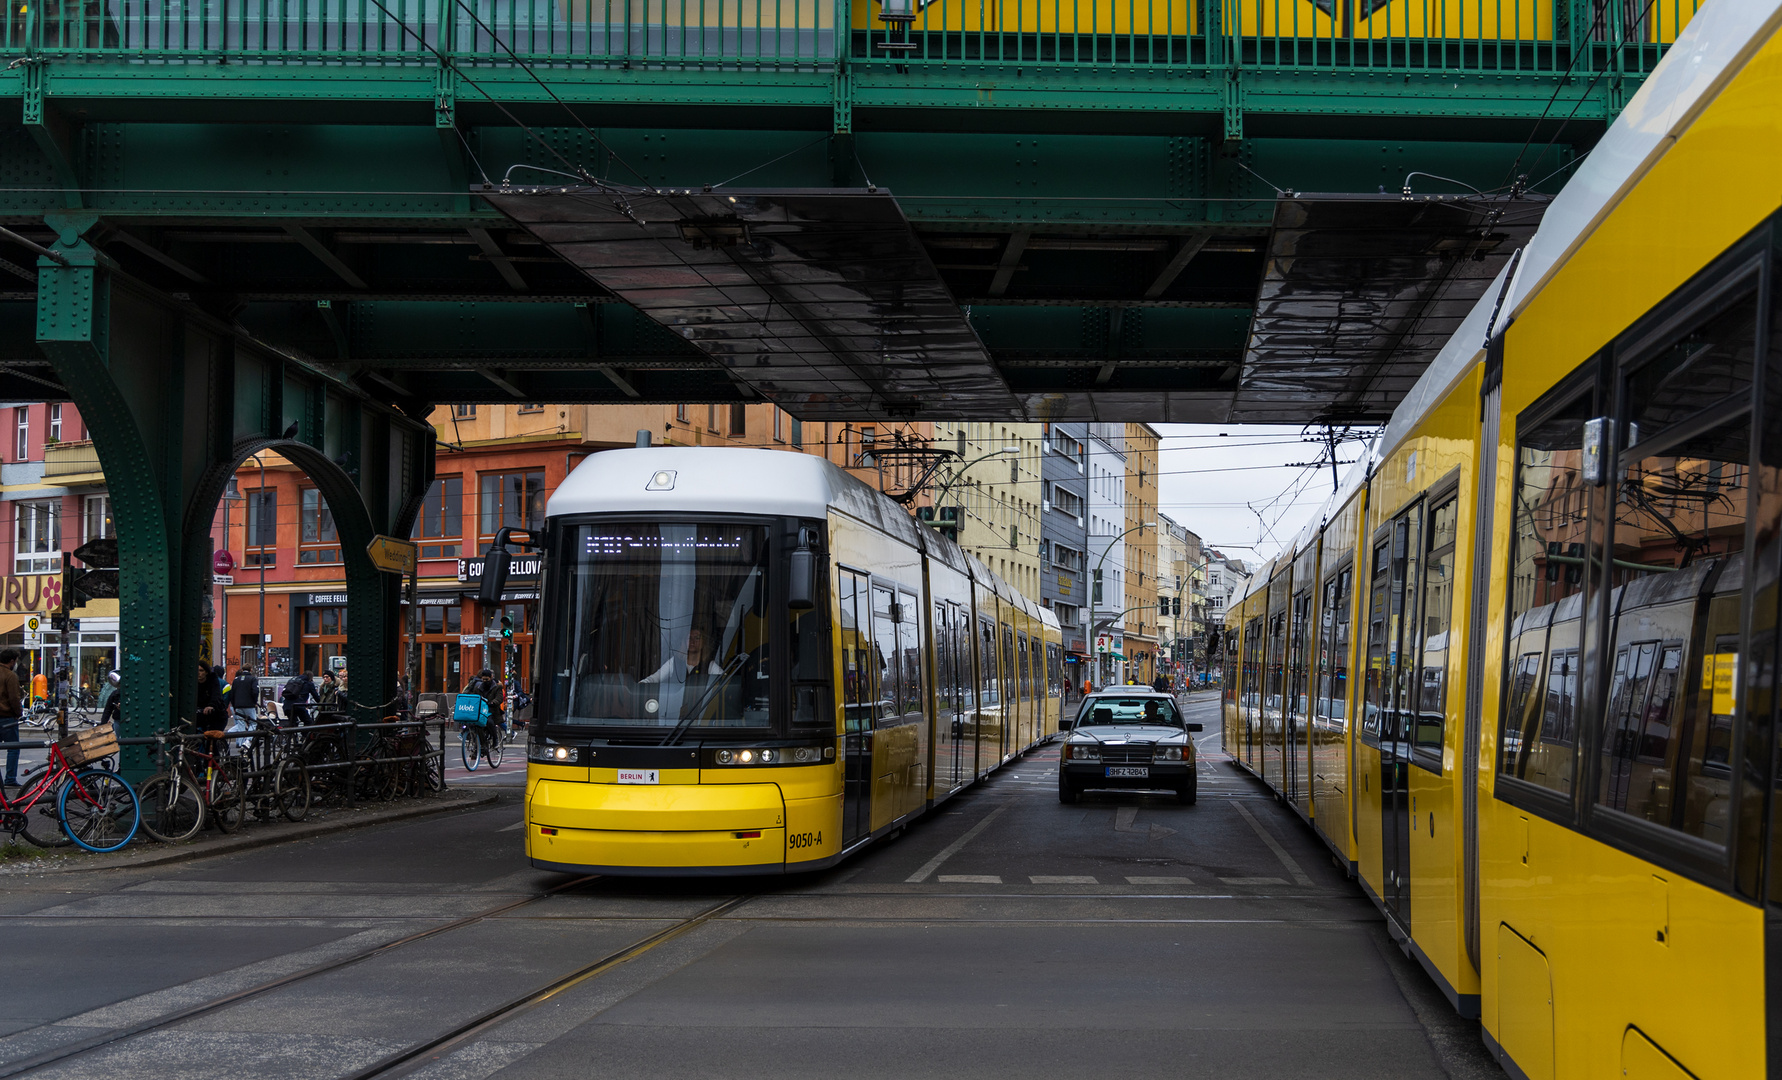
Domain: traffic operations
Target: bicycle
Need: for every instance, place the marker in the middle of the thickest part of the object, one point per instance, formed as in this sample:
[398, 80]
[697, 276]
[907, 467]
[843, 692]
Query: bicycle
[95, 809]
[475, 743]
[180, 801]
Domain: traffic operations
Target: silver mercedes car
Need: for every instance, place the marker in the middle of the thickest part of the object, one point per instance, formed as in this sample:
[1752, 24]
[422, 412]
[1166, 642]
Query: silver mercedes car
[1127, 737]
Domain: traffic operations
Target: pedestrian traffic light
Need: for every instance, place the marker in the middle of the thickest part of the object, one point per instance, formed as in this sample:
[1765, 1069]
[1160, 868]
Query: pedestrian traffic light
[507, 626]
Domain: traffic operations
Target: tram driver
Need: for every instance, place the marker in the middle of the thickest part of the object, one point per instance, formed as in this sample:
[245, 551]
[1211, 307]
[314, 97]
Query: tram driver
[683, 676]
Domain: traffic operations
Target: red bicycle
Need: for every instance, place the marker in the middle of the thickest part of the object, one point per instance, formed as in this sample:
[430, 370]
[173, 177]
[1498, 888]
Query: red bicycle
[94, 808]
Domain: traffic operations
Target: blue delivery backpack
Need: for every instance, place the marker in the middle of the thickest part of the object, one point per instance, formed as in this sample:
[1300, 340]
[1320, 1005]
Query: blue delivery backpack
[471, 709]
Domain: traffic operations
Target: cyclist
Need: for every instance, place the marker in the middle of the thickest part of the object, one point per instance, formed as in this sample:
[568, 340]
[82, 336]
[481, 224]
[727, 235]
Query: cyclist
[490, 690]
[297, 694]
[114, 699]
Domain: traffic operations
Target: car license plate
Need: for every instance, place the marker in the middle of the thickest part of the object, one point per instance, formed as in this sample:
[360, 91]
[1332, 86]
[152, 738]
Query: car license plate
[639, 776]
[1128, 772]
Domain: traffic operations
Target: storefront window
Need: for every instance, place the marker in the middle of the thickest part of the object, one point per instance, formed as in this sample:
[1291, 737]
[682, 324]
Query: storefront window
[96, 517]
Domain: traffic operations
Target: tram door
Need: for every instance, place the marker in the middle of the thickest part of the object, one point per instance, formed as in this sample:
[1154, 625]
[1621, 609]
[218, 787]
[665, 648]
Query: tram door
[952, 747]
[1294, 706]
[1399, 708]
[860, 695]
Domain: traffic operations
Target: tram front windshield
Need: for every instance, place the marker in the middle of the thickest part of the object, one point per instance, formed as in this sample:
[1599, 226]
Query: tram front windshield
[662, 626]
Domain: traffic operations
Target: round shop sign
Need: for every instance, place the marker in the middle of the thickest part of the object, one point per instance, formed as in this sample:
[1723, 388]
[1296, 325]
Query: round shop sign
[222, 563]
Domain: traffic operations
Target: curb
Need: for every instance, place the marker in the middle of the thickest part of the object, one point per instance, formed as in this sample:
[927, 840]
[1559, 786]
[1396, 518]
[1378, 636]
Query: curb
[263, 838]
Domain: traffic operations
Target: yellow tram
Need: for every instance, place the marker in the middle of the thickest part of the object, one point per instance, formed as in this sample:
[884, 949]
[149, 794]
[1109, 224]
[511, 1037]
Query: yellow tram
[751, 662]
[1519, 672]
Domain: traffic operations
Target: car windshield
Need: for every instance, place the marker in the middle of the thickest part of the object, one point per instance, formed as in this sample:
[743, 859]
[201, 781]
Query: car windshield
[664, 626]
[1129, 710]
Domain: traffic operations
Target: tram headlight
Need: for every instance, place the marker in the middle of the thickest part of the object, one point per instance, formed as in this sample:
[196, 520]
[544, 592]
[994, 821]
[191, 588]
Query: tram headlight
[561, 753]
[806, 754]
[745, 757]
[724, 757]
[768, 757]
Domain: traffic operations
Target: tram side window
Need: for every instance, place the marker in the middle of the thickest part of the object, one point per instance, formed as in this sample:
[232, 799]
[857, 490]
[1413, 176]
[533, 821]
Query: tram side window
[1054, 671]
[1008, 663]
[1537, 742]
[909, 657]
[856, 641]
[883, 659]
[1296, 659]
[1438, 612]
[1375, 688]
[987, 691]
[1333, 658]
[1677, 578]
[946, 688]
[1021, 666]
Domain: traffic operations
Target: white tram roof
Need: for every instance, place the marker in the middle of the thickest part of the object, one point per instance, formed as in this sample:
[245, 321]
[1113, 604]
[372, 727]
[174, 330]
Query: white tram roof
[737, 480]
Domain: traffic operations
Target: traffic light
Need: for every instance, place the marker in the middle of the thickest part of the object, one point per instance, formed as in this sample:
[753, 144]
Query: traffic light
[1163, 606]
[507, 626]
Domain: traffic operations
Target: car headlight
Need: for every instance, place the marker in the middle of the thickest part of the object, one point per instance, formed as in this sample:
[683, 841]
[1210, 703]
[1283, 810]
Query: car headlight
[1169, 753]
[1083, 753]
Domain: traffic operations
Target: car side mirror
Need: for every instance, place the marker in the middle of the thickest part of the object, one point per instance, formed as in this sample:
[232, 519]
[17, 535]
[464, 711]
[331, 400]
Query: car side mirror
[1066, 723]
[1197, 727]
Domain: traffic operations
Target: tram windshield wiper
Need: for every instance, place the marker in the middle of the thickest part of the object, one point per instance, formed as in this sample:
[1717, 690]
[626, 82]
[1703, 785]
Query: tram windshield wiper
[698, 709]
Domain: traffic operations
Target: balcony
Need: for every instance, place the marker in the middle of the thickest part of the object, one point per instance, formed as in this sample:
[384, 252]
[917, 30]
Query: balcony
[64, 461]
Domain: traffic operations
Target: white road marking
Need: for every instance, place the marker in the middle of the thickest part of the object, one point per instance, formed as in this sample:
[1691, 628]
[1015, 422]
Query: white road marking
[952, 849]
[1255, 881]
[1299, 876]
[511, 828]
[1062, 879]
[969, 879]
[1158, 881]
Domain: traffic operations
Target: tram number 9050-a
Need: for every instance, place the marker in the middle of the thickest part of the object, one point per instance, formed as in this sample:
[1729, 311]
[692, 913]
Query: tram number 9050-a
[805, 839]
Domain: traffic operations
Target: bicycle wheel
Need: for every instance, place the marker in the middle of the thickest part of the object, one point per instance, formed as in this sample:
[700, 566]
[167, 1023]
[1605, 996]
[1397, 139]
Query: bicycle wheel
[171, 808]
[98, 810]
[470, 746]
[223, 793]
[290, 788]
[42, 828]
[495, 748]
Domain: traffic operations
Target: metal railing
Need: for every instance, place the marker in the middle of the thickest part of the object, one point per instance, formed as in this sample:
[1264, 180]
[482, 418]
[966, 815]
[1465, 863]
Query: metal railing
[1429, 36]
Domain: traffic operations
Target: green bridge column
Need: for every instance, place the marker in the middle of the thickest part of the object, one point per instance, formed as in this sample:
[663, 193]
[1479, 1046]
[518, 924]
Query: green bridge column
[176, 400]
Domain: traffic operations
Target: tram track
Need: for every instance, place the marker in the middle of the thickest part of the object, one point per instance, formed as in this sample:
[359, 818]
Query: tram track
[59, 1054]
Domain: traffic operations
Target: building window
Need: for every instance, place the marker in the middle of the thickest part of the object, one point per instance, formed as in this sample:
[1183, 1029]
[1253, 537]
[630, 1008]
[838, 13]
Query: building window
[533, 408]
[39, 549]
[711, 419]
[1046, 553]
[739, 419]
[21, 446]
[1067, 558]
[55, 422]
[1067, 502]
[95, 517]
[464, 412]
[319, 542]
[798, 433]
[442, 518]
[323, 632]
[512, 500]
[779, 425]
[262, 527]
[680, 413]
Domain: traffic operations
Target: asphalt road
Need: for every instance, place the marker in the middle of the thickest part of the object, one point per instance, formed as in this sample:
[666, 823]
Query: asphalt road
[1005, 936]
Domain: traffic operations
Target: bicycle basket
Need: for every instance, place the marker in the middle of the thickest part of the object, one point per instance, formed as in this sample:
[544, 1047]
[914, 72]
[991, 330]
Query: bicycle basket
[471, 709]
[90, 745]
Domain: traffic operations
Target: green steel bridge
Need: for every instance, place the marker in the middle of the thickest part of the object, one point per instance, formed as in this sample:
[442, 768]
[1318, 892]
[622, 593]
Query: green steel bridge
[299, 224]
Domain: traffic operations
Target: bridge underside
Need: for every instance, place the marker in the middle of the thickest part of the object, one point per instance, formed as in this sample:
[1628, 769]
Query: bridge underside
[1143, 277]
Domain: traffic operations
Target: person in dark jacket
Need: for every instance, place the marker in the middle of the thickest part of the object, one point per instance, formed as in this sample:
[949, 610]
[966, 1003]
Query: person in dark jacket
[244, 694]
[212, 710]
[297, 694]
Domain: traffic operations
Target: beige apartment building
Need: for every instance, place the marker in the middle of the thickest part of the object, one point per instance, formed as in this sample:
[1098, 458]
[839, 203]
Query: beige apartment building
[995, 481]
[1141, 637]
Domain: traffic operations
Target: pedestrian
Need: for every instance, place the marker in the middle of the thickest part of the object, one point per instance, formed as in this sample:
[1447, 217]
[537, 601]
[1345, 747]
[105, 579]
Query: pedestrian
[1160, 684]
[112, 711]
[212, 710]
[297, 693]
[10, 712]
[244, 694]
[329, 697]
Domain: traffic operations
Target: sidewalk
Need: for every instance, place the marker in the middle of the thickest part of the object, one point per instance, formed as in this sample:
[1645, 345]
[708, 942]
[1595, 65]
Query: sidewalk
[143, 852]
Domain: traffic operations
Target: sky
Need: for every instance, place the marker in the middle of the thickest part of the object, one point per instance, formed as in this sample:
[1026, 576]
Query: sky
[1228, 483]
